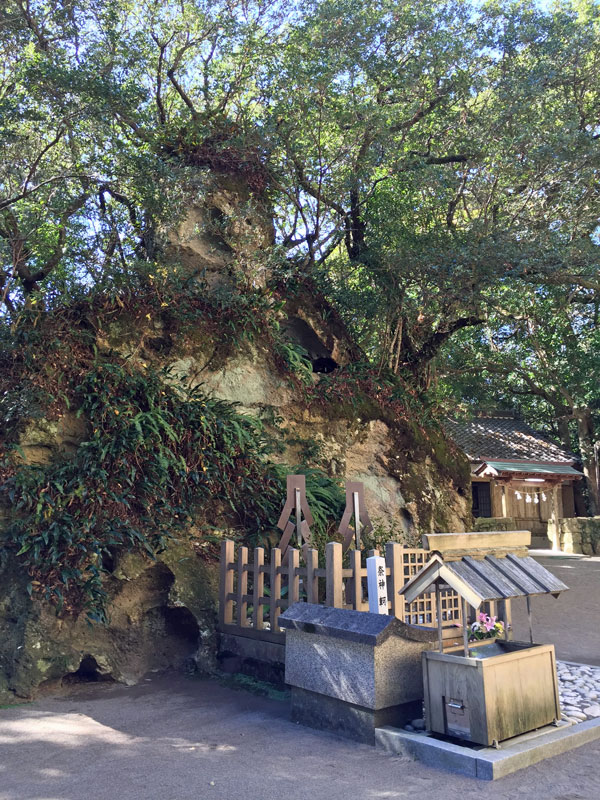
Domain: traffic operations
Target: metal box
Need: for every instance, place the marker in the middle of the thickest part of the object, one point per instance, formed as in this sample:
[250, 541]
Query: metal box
[501, 690]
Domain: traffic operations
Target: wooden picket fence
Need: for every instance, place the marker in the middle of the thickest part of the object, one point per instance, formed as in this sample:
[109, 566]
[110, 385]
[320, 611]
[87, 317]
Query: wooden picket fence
[253, 593]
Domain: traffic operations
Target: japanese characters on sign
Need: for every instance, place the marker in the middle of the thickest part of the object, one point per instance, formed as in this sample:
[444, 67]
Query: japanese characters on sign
[377, 585]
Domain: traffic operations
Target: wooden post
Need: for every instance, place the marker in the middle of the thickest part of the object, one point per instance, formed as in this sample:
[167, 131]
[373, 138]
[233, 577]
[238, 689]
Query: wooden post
[555, 518]
[293, 577]
[509, 497]
[529, 619]
[225, 603]
[463, 607]
[275, 588]
[504, 500]
[505, 614]
[493, 498]
[393, 559]
[298, 518]
[355, 598]
[438, 611]
[333, 569]
[258, 587]
[242, 587]
[312, 582]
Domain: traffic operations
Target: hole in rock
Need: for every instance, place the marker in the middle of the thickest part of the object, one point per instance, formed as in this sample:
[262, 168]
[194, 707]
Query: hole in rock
[181, 624]
[88, 672]
[300, 332]
[407, 520]
[108, 561]
[160, 344]
[324, 365]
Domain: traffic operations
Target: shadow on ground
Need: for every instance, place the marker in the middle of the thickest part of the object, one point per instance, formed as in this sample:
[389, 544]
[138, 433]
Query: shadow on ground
[176, 738]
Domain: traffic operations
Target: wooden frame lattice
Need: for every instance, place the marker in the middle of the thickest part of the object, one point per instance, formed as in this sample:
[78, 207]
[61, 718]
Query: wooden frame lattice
[253, 593]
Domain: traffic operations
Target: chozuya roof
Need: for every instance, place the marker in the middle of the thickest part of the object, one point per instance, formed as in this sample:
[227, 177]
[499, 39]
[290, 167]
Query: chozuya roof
[530, 467]
[499, 438]
[490, 578]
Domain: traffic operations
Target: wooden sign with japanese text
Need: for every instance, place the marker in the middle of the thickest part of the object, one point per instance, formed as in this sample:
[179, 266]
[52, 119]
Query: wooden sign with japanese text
[377, 585]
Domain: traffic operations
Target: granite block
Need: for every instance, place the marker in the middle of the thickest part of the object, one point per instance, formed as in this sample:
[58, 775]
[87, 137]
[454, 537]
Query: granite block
[354, 626]
[345, 719]
[258, 659]
[362, 674]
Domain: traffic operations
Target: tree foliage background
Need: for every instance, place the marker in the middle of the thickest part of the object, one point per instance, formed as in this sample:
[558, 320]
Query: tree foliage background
[433, 168]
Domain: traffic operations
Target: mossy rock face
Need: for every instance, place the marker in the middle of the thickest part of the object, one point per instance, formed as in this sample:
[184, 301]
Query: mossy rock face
[43, 440]
[162, 615]
[408, 491]
[120, 336]
[163, 611]
[195, 583]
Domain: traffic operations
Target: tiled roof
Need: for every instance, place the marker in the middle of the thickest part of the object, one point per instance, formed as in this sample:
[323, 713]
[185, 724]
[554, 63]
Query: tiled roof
[499, 438]
[531, 467]
[485, 579]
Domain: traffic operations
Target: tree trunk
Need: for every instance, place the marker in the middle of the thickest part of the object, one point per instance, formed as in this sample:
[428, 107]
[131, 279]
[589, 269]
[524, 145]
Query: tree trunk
[564, 432]
[585, 432]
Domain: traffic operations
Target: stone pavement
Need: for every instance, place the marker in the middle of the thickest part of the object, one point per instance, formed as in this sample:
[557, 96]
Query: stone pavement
[173, 738]
[571, 622]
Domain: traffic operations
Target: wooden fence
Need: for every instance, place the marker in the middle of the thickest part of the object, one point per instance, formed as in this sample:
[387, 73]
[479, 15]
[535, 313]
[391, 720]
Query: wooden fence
[253, 593]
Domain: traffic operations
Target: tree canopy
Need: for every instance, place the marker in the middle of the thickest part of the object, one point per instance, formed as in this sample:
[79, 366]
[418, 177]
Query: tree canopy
[432, 167]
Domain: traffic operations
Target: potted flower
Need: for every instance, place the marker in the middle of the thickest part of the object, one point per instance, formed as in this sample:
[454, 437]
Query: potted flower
[485, 627]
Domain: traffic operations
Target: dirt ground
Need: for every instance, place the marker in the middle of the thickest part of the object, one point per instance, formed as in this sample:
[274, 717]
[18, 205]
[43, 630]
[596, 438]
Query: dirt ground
[173, 738]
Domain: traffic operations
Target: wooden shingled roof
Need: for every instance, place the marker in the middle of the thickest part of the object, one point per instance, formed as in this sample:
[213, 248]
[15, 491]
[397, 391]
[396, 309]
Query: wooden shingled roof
[481, 580]
[499, 438]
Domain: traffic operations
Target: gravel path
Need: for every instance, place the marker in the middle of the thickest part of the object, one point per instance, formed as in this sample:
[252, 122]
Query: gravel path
[579, 689]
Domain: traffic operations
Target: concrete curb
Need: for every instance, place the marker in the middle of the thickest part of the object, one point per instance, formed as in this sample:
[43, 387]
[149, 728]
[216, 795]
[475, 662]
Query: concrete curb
[533, 551]
[488, 763]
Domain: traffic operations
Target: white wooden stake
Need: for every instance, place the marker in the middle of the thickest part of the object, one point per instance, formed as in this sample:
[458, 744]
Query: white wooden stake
[356, 519]
[377, 585]
[298, 518]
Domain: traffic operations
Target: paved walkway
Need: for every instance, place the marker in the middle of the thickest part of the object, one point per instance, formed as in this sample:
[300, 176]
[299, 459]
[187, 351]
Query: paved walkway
[173, 738]
[572, 621]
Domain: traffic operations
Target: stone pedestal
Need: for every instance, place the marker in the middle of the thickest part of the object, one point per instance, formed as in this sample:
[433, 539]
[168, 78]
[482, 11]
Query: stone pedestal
[351, 671]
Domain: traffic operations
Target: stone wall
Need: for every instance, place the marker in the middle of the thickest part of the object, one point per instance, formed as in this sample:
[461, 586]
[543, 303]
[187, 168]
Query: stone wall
[577, 535]
[495, 524]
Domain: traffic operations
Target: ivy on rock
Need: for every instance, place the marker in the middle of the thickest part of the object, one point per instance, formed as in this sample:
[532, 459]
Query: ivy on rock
[159, 452]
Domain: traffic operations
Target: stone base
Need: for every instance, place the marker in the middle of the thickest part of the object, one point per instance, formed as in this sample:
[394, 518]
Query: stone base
[254, 657]
[346, 719]
[487, 763]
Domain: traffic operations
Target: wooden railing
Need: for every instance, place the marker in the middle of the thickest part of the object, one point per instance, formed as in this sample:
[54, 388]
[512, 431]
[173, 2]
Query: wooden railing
[253, 593]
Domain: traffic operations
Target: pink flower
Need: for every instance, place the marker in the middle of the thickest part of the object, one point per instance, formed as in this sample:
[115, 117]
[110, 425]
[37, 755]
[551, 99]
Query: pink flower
[490, 623]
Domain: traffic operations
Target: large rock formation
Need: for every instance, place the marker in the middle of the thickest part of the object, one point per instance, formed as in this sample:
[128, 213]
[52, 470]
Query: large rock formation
[226, 233]
[163, 611]
[162, 615]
